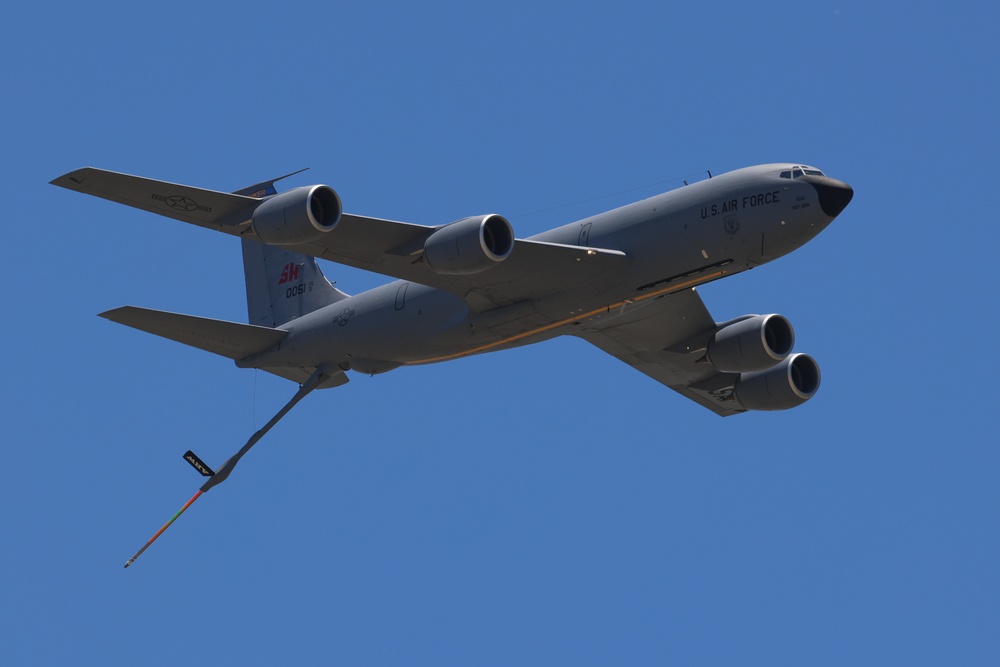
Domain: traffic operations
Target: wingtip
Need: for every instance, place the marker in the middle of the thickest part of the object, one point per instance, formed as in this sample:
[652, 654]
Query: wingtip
[71, 180]
[114, 313]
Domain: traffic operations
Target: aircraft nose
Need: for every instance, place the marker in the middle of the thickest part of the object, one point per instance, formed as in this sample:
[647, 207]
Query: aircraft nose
[834, 195]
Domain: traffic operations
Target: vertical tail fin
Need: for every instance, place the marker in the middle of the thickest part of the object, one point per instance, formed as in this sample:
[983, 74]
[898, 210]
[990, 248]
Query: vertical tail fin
[281, 284]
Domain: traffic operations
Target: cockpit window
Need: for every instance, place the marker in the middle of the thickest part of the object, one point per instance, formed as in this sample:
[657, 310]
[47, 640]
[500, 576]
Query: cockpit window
[797, 172]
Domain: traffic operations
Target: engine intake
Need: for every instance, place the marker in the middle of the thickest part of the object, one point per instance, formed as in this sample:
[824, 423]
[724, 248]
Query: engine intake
[752, 344]
[789, 384]
[297, 216]
[470, 245]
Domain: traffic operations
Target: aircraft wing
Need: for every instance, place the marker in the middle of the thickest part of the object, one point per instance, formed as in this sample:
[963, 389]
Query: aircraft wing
[666, 341]
[220, 211]
[533, 268]
[391, 248]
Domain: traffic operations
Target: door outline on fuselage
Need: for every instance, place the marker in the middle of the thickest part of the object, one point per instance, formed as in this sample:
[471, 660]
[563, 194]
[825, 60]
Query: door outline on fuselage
[401, 296]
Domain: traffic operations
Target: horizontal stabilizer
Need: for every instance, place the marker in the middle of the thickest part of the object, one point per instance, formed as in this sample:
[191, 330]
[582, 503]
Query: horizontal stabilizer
[229, 339]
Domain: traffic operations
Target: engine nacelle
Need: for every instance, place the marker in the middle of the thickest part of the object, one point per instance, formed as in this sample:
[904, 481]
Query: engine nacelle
[753, 344]
[789, 384]
[470, 245]
[297, 216]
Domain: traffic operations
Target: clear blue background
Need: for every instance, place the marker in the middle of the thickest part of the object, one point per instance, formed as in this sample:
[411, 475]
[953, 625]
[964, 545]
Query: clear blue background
[547, 505]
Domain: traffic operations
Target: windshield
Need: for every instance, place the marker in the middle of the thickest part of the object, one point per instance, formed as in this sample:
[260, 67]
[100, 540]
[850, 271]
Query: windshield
[800, 171]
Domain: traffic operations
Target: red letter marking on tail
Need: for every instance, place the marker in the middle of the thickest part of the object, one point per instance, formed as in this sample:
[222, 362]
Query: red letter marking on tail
[289, 273]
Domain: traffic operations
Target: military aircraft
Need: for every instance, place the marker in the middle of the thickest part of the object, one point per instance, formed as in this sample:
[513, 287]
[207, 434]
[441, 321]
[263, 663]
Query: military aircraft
[623, 280]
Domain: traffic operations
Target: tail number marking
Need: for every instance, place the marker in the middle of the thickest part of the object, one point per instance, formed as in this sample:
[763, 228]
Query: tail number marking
[298, 290]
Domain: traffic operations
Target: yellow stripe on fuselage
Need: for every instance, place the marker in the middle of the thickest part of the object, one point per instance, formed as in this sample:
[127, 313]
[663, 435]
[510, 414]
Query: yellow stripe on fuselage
[569, 320]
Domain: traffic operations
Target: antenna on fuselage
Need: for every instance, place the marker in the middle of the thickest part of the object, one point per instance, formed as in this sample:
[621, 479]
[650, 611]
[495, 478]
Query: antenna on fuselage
[709, 173]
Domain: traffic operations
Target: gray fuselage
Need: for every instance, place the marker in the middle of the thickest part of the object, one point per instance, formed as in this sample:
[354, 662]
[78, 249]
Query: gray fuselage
[672, 241]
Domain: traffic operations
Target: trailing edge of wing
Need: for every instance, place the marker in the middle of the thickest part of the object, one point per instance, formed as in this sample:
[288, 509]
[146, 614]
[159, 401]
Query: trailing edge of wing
[228, 339]
[220, 211]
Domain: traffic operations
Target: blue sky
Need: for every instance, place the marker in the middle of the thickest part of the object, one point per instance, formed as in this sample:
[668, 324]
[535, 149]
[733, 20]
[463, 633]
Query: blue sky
[537, 506]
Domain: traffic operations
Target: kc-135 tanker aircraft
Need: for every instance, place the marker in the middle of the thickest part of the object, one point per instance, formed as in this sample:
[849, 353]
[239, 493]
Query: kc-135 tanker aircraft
[622, 280]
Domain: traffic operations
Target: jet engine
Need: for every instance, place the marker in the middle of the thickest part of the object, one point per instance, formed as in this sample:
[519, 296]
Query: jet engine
[470, 245]
[752, 344]
[297, 216]
[787, 385]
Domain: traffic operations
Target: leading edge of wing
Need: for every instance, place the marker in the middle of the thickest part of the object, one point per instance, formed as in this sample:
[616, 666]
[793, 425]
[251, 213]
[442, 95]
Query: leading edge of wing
[220, 211]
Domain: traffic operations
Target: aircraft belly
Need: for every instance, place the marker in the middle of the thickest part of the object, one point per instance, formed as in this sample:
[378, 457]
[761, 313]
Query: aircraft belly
[375, 331]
